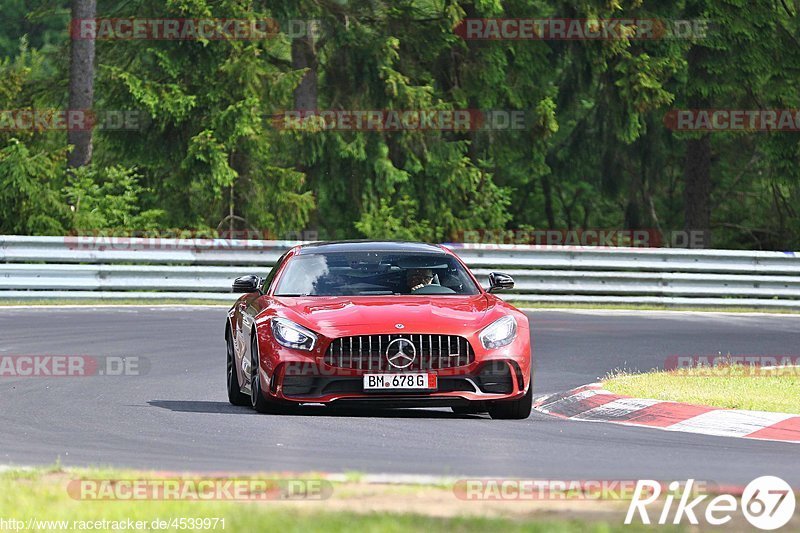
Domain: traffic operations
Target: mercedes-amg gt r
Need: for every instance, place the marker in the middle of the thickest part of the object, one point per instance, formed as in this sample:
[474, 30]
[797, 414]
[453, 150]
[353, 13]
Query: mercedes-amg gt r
[393, 324]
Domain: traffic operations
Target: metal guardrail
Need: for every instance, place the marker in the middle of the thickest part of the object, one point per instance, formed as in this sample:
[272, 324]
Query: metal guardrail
[137, 268]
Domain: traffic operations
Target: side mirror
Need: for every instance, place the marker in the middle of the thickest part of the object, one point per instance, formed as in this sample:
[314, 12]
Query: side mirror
[247, 284]
[499, 281]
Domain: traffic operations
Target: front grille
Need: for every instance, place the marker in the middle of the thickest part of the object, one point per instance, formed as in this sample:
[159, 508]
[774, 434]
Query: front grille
[368, 352]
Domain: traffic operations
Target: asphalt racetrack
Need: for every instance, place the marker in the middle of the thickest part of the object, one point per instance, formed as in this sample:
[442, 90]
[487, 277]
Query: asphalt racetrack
[176, 417]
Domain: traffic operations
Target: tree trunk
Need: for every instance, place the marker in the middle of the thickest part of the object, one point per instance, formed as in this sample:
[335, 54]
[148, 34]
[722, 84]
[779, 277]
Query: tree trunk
[304, 57]
[81, 85]
[547, 190]
[697, 191]
[697, 169]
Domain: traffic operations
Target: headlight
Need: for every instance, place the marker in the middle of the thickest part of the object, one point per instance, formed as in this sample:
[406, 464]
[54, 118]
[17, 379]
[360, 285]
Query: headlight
[499, 333]
[292, 335]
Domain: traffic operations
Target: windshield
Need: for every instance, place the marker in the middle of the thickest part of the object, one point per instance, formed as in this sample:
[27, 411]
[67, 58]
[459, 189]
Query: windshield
[374, 274]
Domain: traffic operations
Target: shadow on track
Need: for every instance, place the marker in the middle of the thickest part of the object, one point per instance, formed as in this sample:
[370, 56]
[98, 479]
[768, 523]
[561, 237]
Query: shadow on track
[193, 406]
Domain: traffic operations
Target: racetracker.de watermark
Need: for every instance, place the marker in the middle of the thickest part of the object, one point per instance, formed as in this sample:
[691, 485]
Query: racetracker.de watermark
[173, 523]
[188, 240]
[581, 238]
[71, 366]
[733, 365]
[72, 119]
[191, 29]
[720, 120]
[199, 489]
[343, 365]
[574, 29]
[401, 120]
[552, 490]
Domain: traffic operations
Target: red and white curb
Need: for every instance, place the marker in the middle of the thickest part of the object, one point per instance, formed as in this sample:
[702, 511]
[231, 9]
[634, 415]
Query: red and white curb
[594, 404]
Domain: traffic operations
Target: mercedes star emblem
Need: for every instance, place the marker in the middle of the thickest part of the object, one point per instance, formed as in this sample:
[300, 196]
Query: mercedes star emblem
[401, 353]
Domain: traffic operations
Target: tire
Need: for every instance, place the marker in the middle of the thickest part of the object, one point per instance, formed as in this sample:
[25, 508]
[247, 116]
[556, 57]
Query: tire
[515, 409]
[257, 400]
[235, 395]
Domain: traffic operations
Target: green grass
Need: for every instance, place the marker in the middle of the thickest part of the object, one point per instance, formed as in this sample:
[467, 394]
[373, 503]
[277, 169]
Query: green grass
[732, 387]
[41, 494]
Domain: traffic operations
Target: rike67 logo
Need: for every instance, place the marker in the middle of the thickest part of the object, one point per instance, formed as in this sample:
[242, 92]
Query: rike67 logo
[767, 503]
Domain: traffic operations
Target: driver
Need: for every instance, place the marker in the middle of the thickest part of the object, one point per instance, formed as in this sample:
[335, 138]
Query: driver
[419, 278]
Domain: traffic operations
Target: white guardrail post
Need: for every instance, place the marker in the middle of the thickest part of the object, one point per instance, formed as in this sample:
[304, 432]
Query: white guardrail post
[203, 269]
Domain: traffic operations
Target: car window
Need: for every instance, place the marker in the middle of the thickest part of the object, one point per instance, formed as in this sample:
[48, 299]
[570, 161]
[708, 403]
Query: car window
[374, 274]
[273, 272]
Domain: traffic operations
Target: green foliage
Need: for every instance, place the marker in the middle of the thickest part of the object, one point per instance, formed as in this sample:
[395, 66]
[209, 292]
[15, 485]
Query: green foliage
[44, 28]
[31, 164]
[595, 152]
[28, 203]
[108, 199]
[397, 221]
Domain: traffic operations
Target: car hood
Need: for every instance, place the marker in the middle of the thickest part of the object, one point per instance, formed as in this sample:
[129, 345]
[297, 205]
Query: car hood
[365, 315]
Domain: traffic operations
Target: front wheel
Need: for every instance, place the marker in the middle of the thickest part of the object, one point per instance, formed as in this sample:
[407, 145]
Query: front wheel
[258, 401]
[515, 409]
[235, 396]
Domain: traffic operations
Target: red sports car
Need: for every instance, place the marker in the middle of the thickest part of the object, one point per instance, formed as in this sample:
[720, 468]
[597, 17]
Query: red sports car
[393, 324]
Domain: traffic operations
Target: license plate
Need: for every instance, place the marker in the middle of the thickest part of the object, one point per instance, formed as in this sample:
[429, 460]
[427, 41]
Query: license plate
[374, 382]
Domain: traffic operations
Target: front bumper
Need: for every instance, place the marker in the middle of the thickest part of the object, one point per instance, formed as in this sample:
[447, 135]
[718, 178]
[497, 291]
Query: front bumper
[500, 379]
[295, 376]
